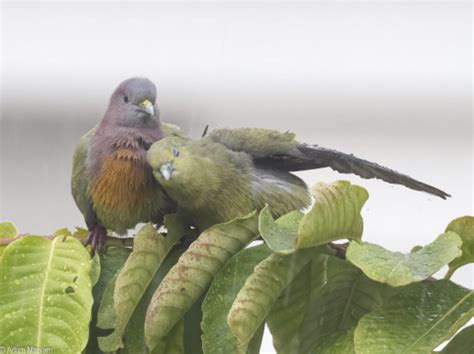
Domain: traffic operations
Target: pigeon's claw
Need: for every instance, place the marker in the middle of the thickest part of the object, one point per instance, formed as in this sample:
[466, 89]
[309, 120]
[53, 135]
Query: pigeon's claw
[96, 238]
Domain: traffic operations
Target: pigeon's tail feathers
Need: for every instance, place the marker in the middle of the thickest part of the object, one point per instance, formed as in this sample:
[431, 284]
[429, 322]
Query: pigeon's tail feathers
[314, 156]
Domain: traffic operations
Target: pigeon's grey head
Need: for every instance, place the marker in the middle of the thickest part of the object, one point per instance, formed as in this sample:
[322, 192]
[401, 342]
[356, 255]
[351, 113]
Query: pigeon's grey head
[133, 104]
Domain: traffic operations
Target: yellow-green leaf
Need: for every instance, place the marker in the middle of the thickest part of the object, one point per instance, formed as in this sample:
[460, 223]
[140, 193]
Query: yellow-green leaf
[62, 232]
[172, 343]
[150, 249]
[462, 343]
[193, 273]
[110, 263]
[464, 227]
[398, 269]
[335, 214]
[286, 318]
[261, 290]
[95, 269]
[217, 337]
[8, 229]
[319, 310]
[279, 235]
[134, 336]
[45, 297]
[417, 320]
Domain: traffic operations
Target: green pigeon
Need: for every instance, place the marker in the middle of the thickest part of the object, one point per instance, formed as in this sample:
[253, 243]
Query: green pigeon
[232, 172]
[112, 183]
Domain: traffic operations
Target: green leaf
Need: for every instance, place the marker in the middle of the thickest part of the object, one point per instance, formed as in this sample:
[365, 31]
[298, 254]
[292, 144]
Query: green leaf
[134, 339]
[462, 343]
[256, 342]
[80, 232]
[464, 227]
[261, 290]
[319, 310]
[193, 273]
[417, 320]
[172, 343]
[150, 249]
[287, 315]
[217, 337]
[192, 328]
[279, 235]
[8, 229]
[398, 269]
[335, 214]
[110, 263]
[106, 317]
[62, 232]
[338, 343]
[46, 296]
[95, 269]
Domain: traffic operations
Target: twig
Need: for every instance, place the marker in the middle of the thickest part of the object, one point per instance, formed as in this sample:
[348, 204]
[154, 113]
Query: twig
[339, 249]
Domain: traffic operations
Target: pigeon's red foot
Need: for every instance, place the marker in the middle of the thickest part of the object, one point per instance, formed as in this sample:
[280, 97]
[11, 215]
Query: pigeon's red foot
[96, 238]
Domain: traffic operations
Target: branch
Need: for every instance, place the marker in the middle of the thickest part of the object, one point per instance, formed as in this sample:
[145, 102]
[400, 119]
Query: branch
[339, 249]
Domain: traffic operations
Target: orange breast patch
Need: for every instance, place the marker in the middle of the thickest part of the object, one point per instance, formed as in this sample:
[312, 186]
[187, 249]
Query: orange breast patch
[124, 182]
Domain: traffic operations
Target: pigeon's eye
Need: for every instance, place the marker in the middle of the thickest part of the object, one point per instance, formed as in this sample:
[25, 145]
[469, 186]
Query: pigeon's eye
[125, 99]
[175, 151]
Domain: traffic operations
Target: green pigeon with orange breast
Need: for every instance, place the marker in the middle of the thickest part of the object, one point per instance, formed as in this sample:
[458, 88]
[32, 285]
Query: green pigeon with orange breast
[232, 172]
[112, 183]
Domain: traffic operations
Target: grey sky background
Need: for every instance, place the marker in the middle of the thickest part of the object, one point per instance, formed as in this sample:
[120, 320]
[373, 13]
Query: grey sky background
[390, 82]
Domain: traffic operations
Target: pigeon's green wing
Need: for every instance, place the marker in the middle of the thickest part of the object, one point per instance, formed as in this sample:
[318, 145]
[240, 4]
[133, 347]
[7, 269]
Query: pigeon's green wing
[80, 180]
[280, 151]
[258, 143]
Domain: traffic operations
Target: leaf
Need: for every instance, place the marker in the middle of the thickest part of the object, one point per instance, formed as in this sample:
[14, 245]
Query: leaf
[192, 328]
[80, 232]
[62, 232]
[134, 339]
[288, 312]
[280, 234]
[8, 229]
[172, 343]
[106, 317]
[95, 269]
[320, 308]
[46, 294]
[217, 337]
[335, 214]
[256, 342]
[398, 269]
[193, 273]
[261, 290]
[338, 343]
[417, 320]
[110, 263]
[150, 249]
[464, 227]
[462, 343]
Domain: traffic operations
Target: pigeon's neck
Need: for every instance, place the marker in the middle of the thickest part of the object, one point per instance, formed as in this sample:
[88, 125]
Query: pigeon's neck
[108, 139]
[128, 137]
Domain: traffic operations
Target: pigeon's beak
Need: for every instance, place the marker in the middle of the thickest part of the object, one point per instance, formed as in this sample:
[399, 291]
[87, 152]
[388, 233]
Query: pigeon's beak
[147, 106]
[166, 170]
